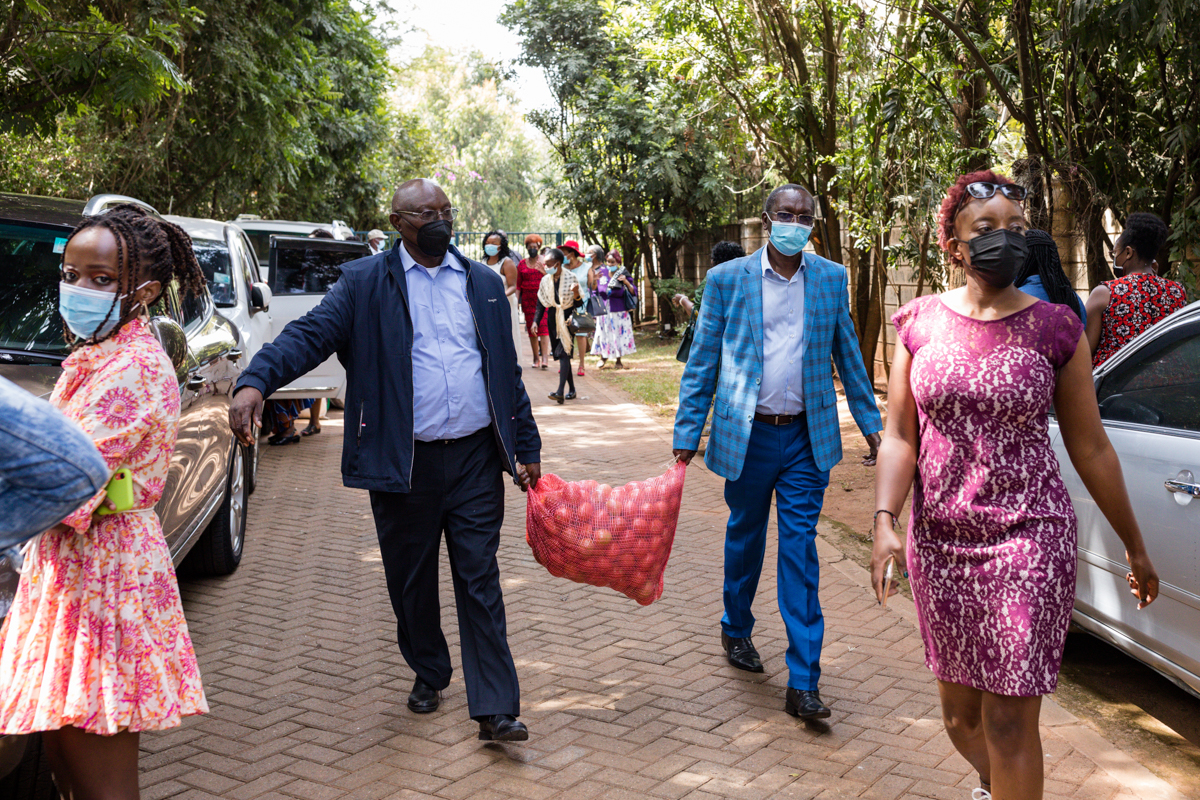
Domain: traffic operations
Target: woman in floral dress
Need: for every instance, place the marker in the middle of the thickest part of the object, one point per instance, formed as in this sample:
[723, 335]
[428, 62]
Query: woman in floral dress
[614, 330]
[96, 648]
[992, 539]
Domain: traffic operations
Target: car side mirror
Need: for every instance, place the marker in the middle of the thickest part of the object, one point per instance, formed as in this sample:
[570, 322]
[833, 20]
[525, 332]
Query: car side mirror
[174, 343]
[260, 297]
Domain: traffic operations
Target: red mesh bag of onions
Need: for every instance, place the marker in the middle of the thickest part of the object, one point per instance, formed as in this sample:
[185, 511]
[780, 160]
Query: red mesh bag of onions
[620, 537]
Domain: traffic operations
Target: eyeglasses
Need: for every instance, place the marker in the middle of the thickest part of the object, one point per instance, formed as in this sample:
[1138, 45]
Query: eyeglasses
[801, 219]
[981, 190]
[429, 215]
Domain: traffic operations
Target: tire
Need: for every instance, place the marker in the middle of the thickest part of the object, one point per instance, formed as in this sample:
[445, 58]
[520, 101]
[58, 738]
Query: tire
[253, 455]
[219, 550]
[30, 779]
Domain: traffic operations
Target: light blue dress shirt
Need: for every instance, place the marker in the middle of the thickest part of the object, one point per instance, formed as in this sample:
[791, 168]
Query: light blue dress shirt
[449, 396]
[782, 389]
[581, 274]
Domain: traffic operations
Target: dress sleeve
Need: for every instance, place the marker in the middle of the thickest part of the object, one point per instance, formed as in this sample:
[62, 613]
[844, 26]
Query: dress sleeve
[128, 400]
[905, 322]
[1066, 337]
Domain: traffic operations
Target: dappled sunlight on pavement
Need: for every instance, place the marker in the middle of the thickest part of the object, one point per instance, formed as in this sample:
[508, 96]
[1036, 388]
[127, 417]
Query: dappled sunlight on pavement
[307, 688]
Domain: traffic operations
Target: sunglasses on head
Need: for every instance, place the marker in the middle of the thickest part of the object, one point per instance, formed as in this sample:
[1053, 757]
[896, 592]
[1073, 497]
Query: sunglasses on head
[982, 190]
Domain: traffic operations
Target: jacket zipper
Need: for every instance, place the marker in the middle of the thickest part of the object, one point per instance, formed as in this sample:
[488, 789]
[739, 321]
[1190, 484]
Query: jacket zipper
[512, 464]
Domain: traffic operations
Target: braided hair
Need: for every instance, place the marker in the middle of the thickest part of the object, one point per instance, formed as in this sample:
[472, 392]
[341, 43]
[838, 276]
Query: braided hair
[148, 248]
[1044, 262]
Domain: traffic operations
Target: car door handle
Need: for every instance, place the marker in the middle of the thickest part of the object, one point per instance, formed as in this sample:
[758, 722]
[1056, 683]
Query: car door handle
[196, 382]
[1181, 487]
[234, 354]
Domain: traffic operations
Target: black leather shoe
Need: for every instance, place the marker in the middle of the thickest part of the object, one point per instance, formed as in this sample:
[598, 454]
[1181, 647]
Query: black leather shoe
[805, 705]
[424, 698]
[741, 653]
[556, 397]
[502, 728]
[570, 396]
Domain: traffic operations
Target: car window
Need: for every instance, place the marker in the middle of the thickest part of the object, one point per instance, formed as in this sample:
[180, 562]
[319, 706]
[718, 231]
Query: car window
[305, 270]
[215, 262]
[31, 262]
[262, 245]
[245, 266]
[1160, 386]
[195, 309]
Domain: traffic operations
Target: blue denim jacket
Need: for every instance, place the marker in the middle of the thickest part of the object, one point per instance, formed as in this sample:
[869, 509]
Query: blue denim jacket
[48, 466]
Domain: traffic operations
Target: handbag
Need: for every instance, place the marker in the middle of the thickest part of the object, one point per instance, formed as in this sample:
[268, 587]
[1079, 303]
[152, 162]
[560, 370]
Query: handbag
[685, 346]
[596, 307]
[581, 323]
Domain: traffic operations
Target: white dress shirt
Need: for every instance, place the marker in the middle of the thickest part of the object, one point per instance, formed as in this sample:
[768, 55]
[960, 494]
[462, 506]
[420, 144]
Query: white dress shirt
[782, 388]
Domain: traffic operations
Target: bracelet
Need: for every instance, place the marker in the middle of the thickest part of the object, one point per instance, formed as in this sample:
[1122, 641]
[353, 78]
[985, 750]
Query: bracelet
[884, 511]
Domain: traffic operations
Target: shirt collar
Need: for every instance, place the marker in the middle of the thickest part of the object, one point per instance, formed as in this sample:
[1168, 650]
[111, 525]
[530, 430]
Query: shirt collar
[406, 259]
[766, 265]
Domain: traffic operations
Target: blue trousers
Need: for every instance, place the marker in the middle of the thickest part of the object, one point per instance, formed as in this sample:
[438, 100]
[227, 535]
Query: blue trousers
[779, 461]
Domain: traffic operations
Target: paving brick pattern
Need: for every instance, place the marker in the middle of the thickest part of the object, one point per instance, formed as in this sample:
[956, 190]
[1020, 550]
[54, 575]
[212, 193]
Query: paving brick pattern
[308, 689]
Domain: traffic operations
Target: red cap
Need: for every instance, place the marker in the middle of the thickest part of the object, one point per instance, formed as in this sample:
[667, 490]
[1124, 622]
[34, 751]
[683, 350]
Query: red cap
[571, 244]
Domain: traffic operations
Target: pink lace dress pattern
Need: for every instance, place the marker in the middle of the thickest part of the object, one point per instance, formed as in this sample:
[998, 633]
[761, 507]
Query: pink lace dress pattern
[992, 537]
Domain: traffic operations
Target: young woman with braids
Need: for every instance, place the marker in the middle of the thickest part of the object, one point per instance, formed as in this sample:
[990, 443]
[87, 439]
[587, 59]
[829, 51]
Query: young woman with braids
[95, 648]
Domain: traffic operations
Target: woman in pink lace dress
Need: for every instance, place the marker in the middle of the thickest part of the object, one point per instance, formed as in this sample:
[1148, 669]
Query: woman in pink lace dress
[95, 647]
[991, 540]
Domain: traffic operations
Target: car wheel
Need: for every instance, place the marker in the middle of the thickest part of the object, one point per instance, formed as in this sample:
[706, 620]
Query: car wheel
[219, 550]
[30, 779]
[253, 454]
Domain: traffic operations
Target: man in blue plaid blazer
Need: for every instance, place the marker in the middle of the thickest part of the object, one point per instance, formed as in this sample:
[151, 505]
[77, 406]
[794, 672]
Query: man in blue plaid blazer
[769, 324]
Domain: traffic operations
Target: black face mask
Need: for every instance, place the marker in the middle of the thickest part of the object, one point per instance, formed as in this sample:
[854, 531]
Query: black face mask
[434, 238]
[997, 256]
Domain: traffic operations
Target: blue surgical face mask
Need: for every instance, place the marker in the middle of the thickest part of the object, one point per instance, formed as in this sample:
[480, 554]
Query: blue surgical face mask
[789, 238]
[492, 249]
[551, 270]
[84, 310]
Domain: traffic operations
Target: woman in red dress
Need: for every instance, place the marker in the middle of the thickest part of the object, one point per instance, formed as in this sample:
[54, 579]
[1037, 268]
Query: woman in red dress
[529, 277]
[1119, 310]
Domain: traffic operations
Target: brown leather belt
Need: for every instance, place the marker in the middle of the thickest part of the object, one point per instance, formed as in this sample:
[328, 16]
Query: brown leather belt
[778, 419]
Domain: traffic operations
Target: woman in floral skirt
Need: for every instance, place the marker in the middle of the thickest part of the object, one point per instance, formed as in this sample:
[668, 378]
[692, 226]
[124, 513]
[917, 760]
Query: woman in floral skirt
[614, 330]
[96, 648]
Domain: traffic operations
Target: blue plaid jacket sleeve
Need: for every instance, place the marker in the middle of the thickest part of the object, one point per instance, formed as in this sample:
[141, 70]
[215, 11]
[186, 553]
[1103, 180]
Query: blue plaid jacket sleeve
[699, 382]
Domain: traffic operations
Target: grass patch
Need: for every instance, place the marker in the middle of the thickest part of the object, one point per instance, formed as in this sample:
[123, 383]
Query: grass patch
[653, 375]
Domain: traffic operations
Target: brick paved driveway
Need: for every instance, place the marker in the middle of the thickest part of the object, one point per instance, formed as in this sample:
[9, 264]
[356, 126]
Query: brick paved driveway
[308, 689]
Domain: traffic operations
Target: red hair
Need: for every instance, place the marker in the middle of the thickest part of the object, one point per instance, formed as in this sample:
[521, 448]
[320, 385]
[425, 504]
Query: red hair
[957, 197]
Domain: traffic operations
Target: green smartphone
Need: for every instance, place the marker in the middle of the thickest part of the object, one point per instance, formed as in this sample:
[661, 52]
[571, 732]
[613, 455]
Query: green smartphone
[120, 494]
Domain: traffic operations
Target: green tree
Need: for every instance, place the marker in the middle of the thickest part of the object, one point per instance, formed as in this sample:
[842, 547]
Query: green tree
[484, 156]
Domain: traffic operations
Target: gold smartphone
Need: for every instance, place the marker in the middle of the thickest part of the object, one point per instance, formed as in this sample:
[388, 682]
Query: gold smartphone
[889, 577]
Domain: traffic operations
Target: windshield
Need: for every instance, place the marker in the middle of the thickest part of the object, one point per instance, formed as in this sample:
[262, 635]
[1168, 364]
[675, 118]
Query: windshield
[31, 262]
[214, 261]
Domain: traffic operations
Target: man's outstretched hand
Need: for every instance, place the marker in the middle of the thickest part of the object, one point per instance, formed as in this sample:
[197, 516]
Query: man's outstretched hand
[528, 475]
[246, 408]
[684, 455]
[873, 442]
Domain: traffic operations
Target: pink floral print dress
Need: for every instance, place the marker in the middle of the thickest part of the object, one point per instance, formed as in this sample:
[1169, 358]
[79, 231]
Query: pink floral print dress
[96, 637]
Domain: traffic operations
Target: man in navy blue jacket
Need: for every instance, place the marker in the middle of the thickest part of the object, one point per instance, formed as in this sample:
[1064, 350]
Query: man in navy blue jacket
[435, 412]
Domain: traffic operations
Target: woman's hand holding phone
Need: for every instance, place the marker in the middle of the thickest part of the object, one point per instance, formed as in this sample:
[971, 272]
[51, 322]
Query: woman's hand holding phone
[886, 556]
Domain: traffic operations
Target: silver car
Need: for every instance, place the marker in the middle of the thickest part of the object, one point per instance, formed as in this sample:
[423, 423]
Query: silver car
[1149, 395]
